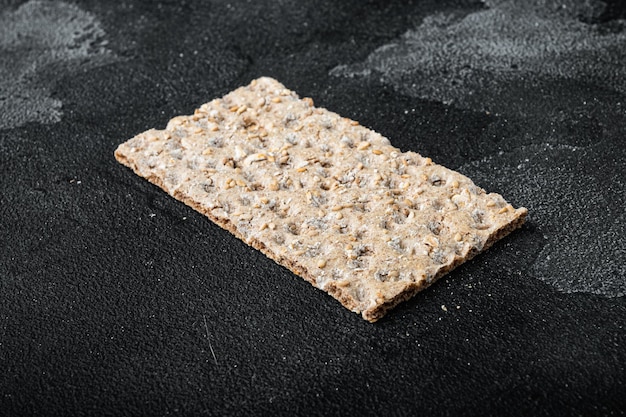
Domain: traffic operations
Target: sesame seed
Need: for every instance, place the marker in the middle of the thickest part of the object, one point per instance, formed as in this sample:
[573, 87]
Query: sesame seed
[321, 263]
[455, 184]
[233, 109]
[276, 100]
[458, 237]
[491, 203]
[503, 210]
[363, 145]
[301, 169]
[241, 109]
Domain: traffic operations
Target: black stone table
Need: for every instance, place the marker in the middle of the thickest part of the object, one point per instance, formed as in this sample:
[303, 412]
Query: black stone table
[115, 299]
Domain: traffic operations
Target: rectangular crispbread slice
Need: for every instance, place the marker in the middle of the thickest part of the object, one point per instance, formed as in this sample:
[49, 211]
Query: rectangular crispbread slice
[321, 195]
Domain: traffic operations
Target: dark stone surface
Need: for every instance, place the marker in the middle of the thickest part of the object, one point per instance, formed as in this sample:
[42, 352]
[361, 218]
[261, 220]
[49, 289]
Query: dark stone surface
[115, 299]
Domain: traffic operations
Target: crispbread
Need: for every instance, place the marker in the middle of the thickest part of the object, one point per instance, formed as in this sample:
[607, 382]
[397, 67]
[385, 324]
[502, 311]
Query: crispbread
[327, 198]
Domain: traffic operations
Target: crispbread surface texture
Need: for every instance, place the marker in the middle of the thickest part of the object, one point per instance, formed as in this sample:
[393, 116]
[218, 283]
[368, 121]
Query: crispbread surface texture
[318, 193]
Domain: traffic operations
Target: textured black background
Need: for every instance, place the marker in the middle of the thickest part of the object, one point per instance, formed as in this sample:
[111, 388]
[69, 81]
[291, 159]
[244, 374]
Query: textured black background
[117, 300]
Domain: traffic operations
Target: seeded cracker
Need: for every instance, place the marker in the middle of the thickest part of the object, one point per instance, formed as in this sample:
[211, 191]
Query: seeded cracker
[321, 195]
